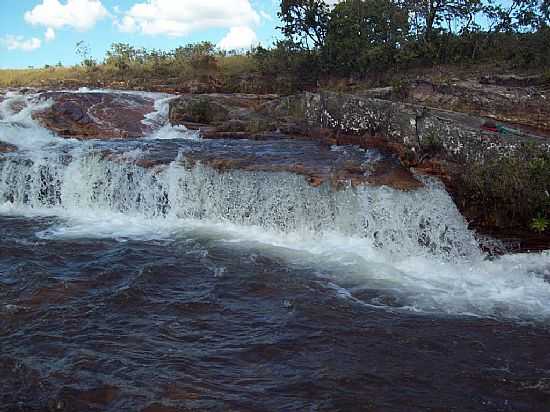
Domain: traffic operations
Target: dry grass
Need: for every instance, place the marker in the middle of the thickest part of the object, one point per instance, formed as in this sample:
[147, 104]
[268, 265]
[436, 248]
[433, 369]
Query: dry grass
[38, 77]
[227, 67]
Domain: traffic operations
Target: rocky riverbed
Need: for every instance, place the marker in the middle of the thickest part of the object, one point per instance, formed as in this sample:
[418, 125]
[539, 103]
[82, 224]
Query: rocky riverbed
[410, 134]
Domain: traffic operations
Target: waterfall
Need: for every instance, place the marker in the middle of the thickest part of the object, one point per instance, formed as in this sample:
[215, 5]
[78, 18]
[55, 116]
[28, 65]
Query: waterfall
[424, 221]
[414, 244]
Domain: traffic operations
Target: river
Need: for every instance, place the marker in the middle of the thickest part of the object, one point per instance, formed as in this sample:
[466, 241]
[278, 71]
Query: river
[178, 287]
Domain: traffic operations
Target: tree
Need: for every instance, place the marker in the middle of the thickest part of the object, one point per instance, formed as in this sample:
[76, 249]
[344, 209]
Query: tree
[288, 66]
[82, 49]
[364, 35]
[518, 15]
[305, 22]
[121, 55]
[429, 16]
[200, 56]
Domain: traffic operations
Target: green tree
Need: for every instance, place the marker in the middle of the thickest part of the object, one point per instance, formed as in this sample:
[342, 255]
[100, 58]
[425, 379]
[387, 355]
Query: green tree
[364, 35]
[121, 55]
[200, 56]
[83, 50]
[429, 17]
[288, 67]
[305, 22]
[518, 15]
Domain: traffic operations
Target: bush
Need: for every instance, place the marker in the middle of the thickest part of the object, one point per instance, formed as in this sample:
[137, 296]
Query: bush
[288, 68]
[364, 36]
[510, 191]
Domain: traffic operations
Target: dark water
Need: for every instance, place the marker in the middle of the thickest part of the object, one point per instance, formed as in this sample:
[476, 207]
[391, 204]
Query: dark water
[192, 324]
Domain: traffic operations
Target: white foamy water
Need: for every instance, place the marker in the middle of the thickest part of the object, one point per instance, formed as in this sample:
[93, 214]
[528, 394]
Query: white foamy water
[162, 128]
[411, 245]
[17, 126]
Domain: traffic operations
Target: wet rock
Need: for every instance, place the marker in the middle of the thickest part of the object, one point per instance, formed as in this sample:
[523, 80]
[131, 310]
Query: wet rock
[146, 163]
[15, 106]
[96, 115]
[317, 164]
[7, 148]
[392, 174]
[228, 113]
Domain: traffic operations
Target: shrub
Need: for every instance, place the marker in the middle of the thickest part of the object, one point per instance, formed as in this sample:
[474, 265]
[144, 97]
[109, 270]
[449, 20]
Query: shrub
[513, 190]
[540, 224]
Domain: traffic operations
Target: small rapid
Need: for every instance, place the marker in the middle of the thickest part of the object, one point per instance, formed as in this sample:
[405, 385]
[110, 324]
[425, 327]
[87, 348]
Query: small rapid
[382, 247]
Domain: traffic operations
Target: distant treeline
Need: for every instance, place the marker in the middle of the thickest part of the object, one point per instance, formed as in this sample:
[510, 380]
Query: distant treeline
[357, 38]
[360, 37]
[353, 39]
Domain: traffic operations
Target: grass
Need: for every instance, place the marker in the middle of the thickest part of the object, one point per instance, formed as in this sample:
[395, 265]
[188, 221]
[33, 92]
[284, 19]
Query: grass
[229, 71]
[38, 77]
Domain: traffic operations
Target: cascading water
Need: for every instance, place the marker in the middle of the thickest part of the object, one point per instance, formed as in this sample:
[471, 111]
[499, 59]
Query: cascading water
[134, 276]
[415, 243]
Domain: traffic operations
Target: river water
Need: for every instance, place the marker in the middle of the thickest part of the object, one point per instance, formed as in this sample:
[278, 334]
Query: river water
[177, 287]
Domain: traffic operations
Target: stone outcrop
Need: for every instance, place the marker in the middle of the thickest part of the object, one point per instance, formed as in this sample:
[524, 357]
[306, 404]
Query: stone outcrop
[96, 115]
[510, 99]
[454, 146]
[337, 118]
[460, 136]
[221, 116]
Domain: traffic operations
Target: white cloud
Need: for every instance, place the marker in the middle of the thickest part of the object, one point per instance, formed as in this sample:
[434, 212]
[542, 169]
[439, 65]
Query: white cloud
[266, 16]
[127, 24]
[78, 14]
[11, 42]
[240, 37]
[50, 34]
[181, 17]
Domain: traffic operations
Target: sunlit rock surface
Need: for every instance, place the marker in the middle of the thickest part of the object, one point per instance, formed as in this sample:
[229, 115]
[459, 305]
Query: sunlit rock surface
[96, 115]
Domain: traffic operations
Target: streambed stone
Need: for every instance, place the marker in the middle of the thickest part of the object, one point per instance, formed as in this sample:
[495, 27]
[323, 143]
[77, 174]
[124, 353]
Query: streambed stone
[96, 115]
[7, 148]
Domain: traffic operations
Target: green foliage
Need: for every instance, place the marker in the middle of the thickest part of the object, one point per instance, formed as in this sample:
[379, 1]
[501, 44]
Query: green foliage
[288, 67]
[540, 224]
[514, 189]
[353, 40]
[367, 38]
[199, 56]
[121, 56]
[431, 142]
[304, 22]
[364, 36]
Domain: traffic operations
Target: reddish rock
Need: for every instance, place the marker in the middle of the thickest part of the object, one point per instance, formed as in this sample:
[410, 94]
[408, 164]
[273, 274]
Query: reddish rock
[96, 115]
[392, 174]
[7, 148]
[121, 158]
[387, 172]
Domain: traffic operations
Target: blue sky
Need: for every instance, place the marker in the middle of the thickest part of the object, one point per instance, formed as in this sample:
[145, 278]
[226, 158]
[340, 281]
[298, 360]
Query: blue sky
[39, 32]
